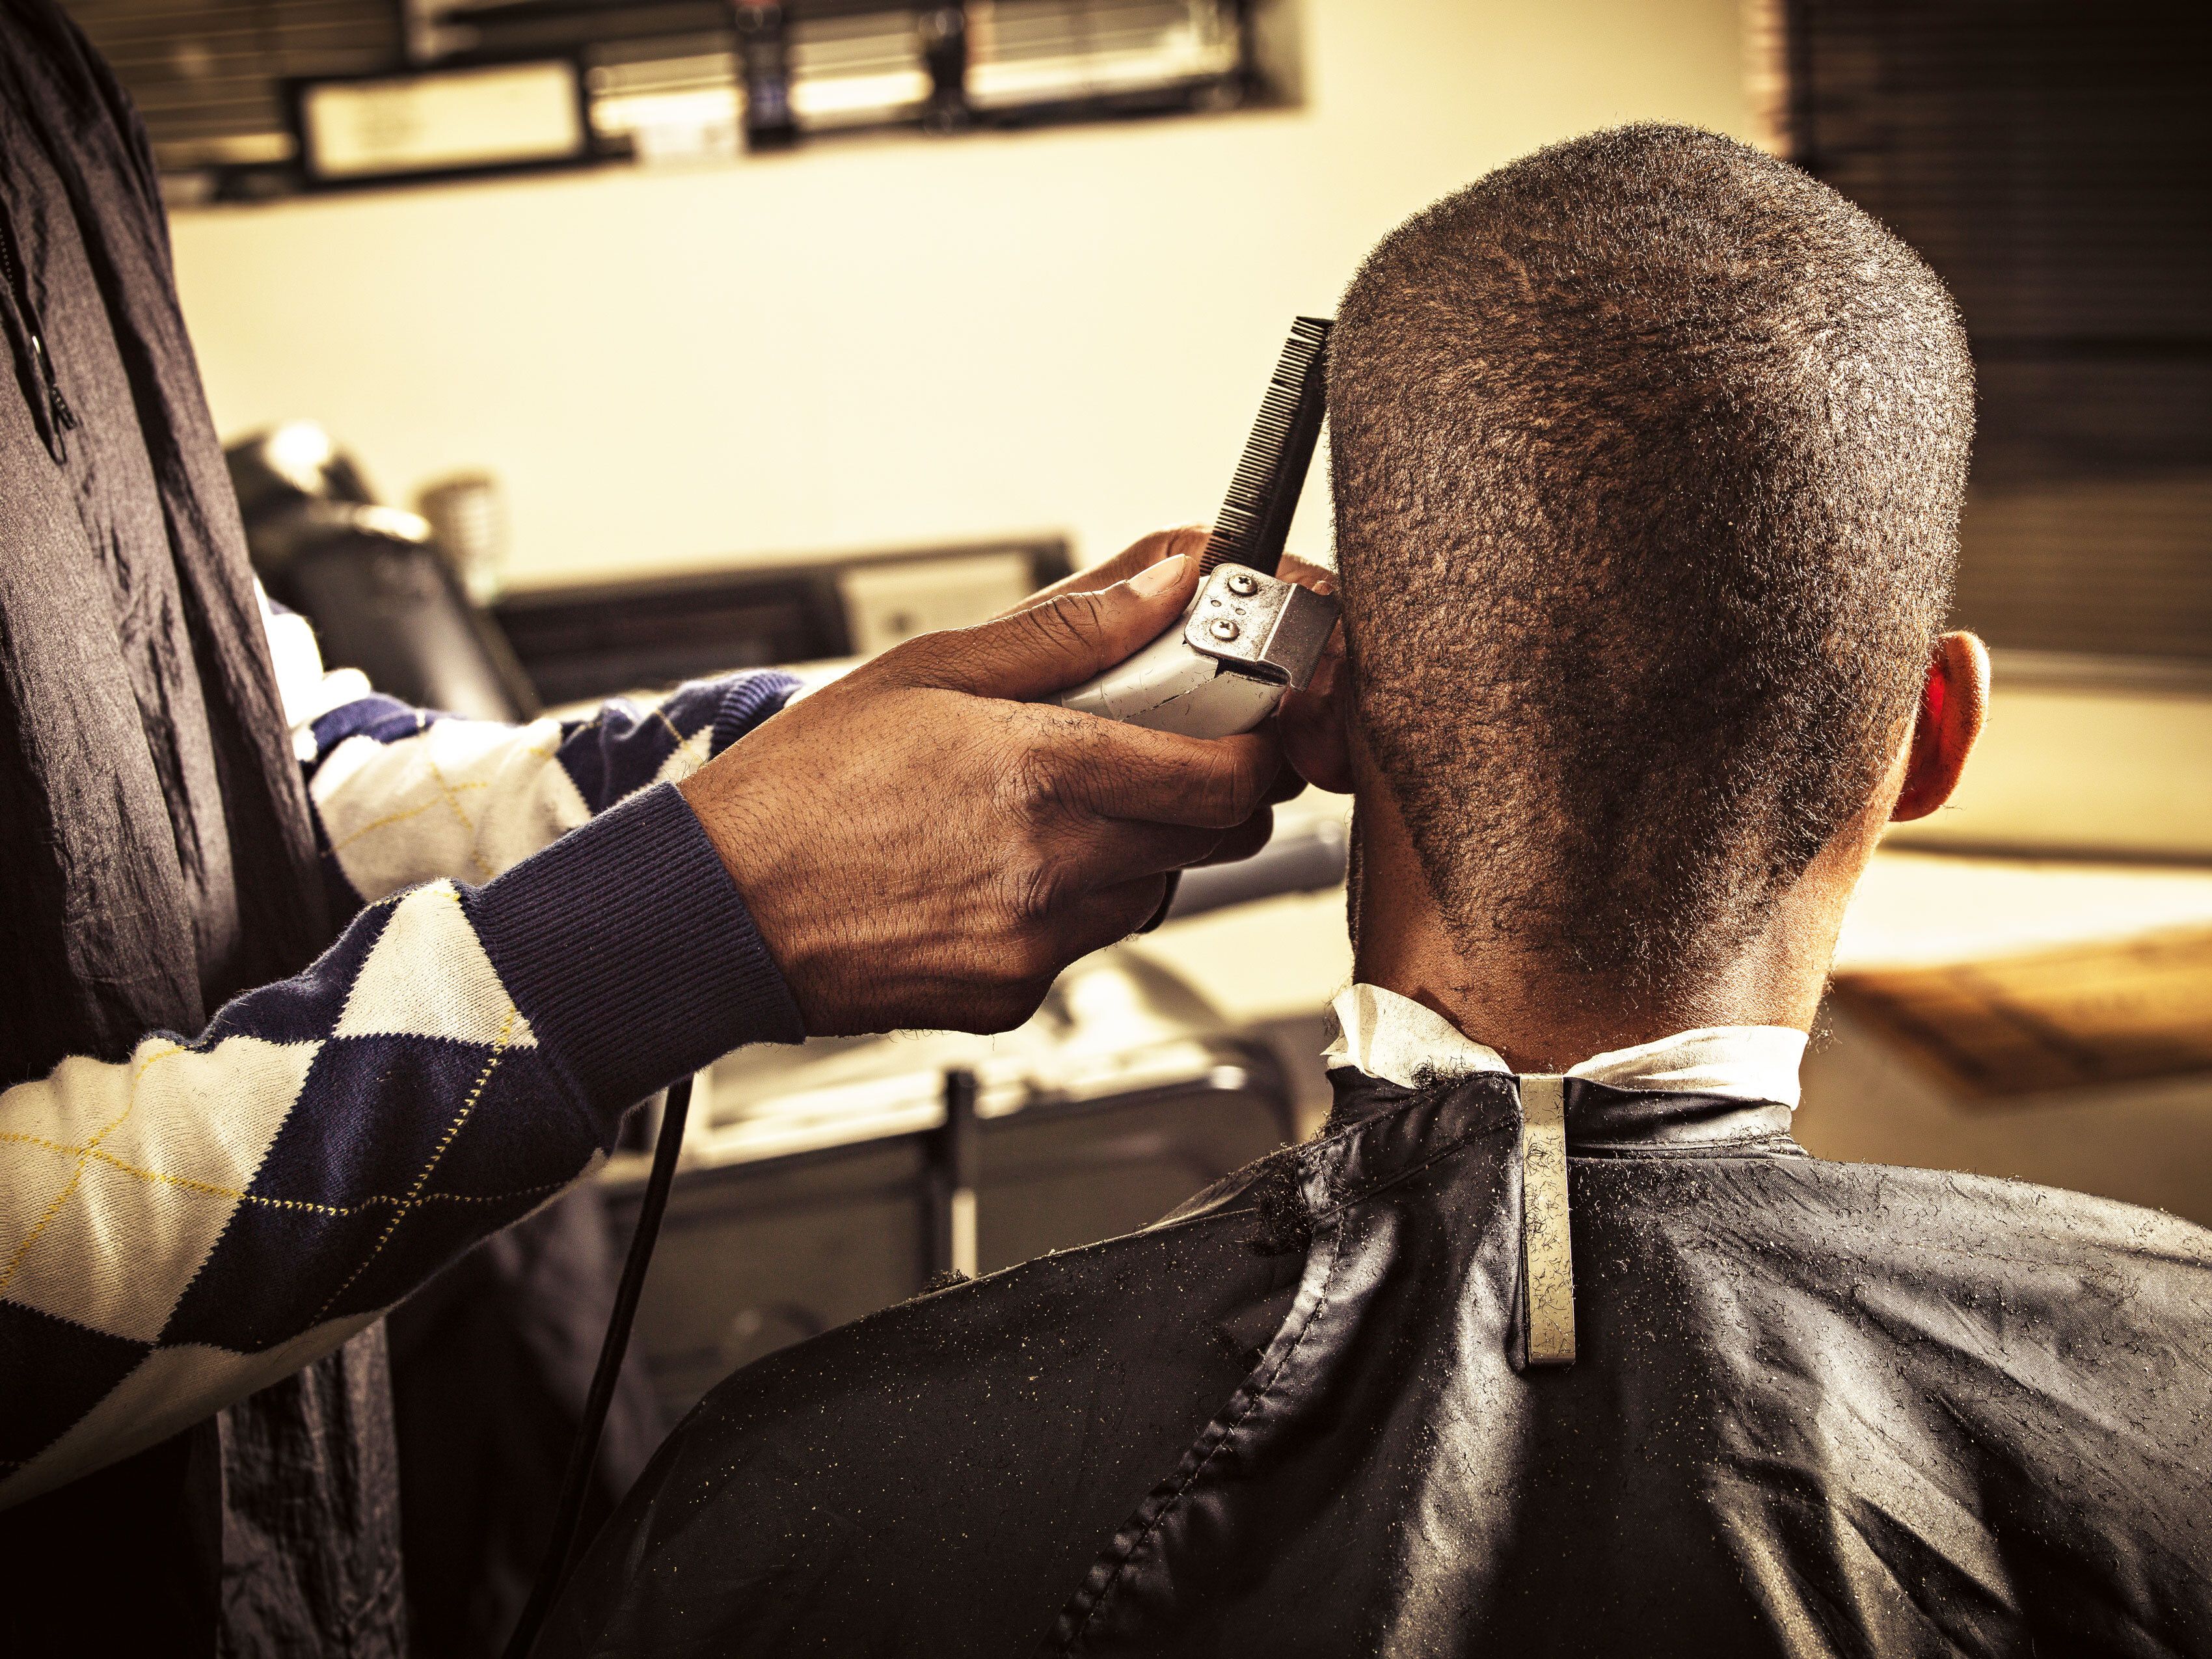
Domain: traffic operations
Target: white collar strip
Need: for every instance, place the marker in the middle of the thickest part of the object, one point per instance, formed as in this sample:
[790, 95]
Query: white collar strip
[1398, 1040]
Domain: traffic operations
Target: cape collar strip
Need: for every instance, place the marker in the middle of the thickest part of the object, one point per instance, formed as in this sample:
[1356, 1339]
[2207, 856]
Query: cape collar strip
[1393, 1038]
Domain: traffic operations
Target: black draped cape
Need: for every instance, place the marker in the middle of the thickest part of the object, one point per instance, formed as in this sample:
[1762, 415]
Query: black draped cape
[1818, 1408]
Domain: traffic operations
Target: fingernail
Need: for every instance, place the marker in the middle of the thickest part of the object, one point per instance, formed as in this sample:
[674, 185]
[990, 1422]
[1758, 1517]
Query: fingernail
[1156, 579]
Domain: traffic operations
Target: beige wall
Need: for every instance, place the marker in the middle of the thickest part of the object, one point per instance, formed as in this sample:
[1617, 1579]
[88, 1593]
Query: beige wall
[896, 341]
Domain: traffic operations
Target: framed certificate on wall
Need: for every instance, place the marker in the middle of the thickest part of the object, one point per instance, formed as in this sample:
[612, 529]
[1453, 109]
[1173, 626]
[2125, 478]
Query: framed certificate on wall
[483, 118]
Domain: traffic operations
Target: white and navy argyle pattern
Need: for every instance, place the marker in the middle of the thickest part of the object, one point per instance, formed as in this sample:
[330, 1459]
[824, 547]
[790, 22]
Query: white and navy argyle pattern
[186, 1225]
[402, 795]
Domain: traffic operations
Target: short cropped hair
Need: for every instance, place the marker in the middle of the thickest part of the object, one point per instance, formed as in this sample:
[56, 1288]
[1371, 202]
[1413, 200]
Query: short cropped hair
[1647, 452]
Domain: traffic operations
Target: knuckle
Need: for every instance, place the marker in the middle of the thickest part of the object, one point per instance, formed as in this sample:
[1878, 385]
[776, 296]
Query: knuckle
[1055, 773]
[1030, 783]
[1221, 799]
[1034, 892]
[925, 659]
[1068, 622]
[1245, 786]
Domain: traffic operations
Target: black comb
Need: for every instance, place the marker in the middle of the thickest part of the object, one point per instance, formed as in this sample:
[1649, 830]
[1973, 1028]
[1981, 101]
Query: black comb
[1263, 496]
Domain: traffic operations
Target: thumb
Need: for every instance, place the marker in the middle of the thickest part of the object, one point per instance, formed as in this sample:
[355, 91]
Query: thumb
[1059, 642]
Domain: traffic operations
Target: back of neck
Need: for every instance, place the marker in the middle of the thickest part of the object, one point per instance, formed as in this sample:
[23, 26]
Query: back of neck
[1541, 1017]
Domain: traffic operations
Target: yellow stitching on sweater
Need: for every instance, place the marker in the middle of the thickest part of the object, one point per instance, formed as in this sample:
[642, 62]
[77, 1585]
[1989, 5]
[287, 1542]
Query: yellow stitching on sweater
[416, 810]
[374, 1199]
[143, 1067]
[161, 1177]
[389, 818]
[438, 777]
[414, 1193]
[15, 1261]
[158, 1178]
[40, 1140]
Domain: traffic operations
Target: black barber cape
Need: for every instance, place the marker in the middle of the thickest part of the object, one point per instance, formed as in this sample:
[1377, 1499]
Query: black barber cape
[157, 856]
[1818, 1408]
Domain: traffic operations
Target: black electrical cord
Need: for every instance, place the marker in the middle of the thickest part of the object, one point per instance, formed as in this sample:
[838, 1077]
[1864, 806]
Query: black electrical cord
[576, 1484]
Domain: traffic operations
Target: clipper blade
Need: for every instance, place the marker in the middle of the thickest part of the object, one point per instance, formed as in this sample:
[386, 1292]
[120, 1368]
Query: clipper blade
[1263, 496]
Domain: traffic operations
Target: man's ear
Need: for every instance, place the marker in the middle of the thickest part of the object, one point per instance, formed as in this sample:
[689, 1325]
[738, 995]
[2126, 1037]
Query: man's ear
[1314, 724]
[1953, 702]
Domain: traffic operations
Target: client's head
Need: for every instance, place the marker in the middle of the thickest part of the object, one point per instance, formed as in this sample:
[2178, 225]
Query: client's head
[1648, 453]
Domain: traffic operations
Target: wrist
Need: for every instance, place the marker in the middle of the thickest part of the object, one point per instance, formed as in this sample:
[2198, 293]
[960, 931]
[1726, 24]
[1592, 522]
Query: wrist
[767, 866]
[632, 953]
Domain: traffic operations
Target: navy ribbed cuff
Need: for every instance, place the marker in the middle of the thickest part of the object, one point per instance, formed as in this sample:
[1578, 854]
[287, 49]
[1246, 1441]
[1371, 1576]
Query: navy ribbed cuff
[627, 947]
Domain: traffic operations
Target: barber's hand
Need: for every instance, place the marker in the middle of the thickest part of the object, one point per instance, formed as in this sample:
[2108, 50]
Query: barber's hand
[1301, 712]
[922, 846]
[1187, 542]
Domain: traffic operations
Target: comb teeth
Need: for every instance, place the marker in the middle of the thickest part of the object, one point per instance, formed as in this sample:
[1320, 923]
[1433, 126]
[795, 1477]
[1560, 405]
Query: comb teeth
[1263, 495]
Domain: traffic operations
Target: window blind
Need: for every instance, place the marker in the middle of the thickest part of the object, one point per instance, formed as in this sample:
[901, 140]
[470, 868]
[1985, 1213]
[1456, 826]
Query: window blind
[208, 76]
[2049, 158]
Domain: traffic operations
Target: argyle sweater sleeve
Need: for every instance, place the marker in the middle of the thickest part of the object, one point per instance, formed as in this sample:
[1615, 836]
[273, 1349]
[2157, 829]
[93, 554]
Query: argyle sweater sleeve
[403, 795]
[553, 939]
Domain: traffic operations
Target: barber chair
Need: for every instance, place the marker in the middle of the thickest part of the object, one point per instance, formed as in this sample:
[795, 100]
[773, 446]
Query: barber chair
[383, 597]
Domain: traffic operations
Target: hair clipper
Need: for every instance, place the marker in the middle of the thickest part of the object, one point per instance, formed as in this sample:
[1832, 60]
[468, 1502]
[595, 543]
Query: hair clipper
[1249, 636]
